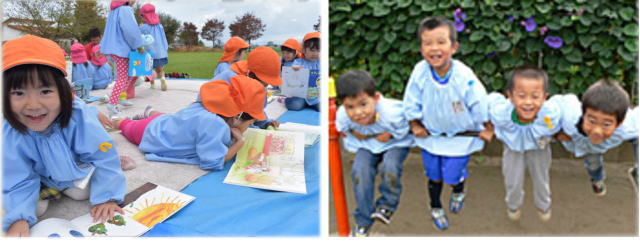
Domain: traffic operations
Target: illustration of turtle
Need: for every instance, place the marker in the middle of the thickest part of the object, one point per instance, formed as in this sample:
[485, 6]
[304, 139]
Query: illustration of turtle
[117, 220]
[98, 229]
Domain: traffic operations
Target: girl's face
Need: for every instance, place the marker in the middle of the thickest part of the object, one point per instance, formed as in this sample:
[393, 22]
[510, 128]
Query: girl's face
[35, 107]
[288, 56]
[311, 54]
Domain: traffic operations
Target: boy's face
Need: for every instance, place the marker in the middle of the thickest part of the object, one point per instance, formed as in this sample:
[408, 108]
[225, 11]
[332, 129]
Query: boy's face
[311, 54]
[35, 107]
[361, 109]
[288, 55]
[597, 125]
[243, 125]
[436, 47]
[527, 96]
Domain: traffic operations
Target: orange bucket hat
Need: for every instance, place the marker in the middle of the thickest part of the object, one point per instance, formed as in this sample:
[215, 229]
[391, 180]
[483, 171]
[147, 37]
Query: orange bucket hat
[30, 49]
[293, 44]
[310, 36]
[265, 63]
[241, 67]
[231, 47]
[242, 95]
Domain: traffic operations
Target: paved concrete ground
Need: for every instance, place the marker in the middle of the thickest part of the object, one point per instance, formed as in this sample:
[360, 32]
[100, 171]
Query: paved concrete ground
[576, 210]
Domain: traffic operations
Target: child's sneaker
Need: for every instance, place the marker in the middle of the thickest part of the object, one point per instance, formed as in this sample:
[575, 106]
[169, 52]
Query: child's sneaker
[163, 85]
[139, 80]
[439, 219]
[152, 85]
[599, 188]
[545, 216]
[633, 177]
[144, 115]
[113, 109]
[514, 215]
[361, 231]
[383, 215]
[125, 103]
[105, 99]
[456, 202]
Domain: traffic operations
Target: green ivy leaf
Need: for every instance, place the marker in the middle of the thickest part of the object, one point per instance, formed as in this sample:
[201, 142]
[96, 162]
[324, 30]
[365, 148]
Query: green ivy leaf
[503, 45]
[342, 6]
[631, 29]
[371, 36]
[565, 22]
[382, 47]
[404, 3]
[554, 25]
[585, 40]
[631, 45]
[605, 63]
[626, 13]
[390, 37]
[543, 8]
[476, 36]
[626, 55]
[381, 10]
[468, 4]
[428, 7]
[488, 67]
[350, 51]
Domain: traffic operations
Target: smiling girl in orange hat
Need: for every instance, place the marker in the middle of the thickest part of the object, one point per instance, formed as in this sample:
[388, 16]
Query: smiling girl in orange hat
[207, 133]
[51, 137]
[290, 51]
[234, 51]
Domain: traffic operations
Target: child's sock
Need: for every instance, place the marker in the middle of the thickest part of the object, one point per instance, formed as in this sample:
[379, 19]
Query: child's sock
[458, 188]
[435, 188]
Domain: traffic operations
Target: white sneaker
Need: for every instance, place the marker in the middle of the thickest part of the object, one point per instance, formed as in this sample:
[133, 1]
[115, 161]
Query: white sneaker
[545, 216]
[514, 215]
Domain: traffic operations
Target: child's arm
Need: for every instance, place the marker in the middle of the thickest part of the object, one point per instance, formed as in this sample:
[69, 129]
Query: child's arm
[20, 186]
[417, 129]
[235, 147]
[487, 133]
[384, 136]
[561, 136]
[412, 101]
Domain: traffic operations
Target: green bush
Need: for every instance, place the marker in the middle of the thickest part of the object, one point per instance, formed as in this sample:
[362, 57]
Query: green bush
[600, 40]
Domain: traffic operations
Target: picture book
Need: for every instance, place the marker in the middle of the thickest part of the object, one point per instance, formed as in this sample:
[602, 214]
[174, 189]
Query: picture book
[295, 83]
[140, 64]
[143, 208]
[311, 132]
[271, 160]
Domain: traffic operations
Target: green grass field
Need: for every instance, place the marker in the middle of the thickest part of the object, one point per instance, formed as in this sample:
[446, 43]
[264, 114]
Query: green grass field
[199, 65]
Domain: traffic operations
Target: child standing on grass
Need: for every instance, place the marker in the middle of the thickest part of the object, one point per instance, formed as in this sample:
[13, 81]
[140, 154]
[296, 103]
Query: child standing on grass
[102, 74]
[121, 36]
[525, 123]
[311, 61]
[378, 133]
[444, 98]
[207, 133]
[51, 138]
[81, 74]
[290, 51]
[603, 121]
[159, 47]
[234, 50]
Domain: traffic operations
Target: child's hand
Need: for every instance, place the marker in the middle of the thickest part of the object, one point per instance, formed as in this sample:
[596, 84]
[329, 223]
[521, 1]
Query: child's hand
[236, 135]
[561, 136]
[104, 120]
[296, 67]
[358, 135]
[105, 211]
[486, 134]
[18, 228]
[417, 129]
[384, 136]
[275, 123]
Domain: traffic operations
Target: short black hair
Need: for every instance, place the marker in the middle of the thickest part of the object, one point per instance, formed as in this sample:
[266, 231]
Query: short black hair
[607, 96]
[530, 72]
[312, 43]
[354, 82]
[245, 116]
[94, 32]
[430, 23]
[287, 49]
[21, 76]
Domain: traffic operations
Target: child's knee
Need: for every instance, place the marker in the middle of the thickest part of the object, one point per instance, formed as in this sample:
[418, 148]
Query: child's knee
[294, 103]
[77, 193]
[41, 207]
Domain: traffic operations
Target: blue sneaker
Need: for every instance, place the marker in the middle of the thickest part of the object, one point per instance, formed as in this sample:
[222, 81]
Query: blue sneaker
[456, 202]
[113, 109]
[439, 219]
[125, 103]
[361, 231]
[382, 214]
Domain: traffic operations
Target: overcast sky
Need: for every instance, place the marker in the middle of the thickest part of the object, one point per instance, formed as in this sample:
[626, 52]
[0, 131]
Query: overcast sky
[283, 18]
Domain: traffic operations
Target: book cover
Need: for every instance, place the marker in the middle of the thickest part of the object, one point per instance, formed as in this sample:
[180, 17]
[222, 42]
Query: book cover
[295, 83]
[140, 64]
[271, 160]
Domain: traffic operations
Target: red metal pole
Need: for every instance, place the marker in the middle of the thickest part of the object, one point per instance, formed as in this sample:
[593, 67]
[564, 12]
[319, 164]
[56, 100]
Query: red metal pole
[335, 168]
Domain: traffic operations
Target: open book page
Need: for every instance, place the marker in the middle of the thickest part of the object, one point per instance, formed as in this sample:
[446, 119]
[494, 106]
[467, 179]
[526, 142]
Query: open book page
[156, 205]
[295, 83]
[271, 160]
[311, 132]
[83, 226]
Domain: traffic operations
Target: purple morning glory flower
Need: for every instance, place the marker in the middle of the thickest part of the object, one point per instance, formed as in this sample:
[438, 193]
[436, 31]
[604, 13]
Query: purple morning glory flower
[543, 30]
[553, 41]
[530, 24]
[510, 18]
[459, 25]
[459, 15]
